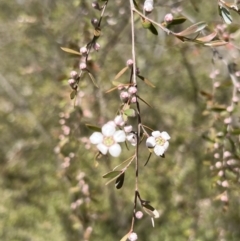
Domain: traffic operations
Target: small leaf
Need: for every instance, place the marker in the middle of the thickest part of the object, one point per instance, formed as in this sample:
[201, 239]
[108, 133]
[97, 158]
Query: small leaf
[73, 94]
[225, 14]
[145, 102]
[93, 79]
[148, 158]
[218, 108]
[130, 112]
[97, 32]
[146, 24]
[235, 132]
[176, 21]
[120, 73]
[208, 96]
[207, 38]
[216, 43]
[125, 237]
[119, 181]
[93, 128]
[71, 51]
[151, 211]
[195, 28]
[112, 174]
[153, 30]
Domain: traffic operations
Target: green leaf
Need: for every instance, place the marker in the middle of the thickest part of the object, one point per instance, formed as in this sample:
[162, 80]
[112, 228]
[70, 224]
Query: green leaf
[235, 132]
[146, 24]
[112, 174]
[130, 112]
[120, 73]
[195, 28]
[71, 51]
[177, 21]
[153, 29]
[73, 94]
[125, 237]
[119, 181]
[225, 14]
[218, 108]
[93, 79]
[93, 128]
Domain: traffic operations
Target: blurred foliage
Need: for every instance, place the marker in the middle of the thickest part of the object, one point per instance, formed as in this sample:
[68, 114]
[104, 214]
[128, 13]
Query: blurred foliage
[51, 187]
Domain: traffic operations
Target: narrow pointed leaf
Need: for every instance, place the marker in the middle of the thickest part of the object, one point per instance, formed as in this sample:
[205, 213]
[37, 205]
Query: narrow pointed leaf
[145, 102]
[153, 30]
[119, 181]
[151, 211]
[93, 128]
[125, 237]
[195, 28]
[207, 38]
[73, 94]
[120, 73]
[71, 51]
[148, 159]
[218, 108]
[225, 14]
[112, 174]
[216, 43]
[93, 79]
[177, 21]
[146, 81]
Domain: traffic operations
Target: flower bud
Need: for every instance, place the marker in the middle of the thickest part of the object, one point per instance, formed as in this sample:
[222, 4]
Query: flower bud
[139, 214]
[129, 62]
[73, 74]
[134, 99]
[124, 96]
[96, 46]
[132, 138]
[133, 237]
[168, 18]
[119, 121]
[82, 66]
[132, 90]
[148, 6]
[94, 22]
[83, 50]
[96, 5]
[128, 128]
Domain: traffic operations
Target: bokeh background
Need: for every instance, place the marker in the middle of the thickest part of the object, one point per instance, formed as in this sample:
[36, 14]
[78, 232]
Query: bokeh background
[50, 185]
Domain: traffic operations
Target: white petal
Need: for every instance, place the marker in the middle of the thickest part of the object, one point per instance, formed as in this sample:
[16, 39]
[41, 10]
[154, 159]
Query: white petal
[159, 150]
[102, 148]
[156, 133]
[150, 142]
[132, 139]
[119, 136]
[165, 135]
[115, 150]
[165, 145]
[108, 129]
[96, 138]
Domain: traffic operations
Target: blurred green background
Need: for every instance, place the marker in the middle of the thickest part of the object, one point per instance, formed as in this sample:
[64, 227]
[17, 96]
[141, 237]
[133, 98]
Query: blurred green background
[50, 186]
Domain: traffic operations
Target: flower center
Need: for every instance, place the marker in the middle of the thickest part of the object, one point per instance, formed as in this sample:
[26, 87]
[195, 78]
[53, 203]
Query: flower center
[108, 141]
[160, 141]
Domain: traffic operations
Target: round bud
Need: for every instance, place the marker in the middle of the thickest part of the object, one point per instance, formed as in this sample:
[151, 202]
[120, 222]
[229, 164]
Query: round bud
[96, 46]
[83, 50]
[73, 74]
[96, 5]
[134, 99]
[129, 62]
[132, 90]
[133, 237]
[71, 82]
[168, 18]
[148, 6]
[94, 22]
[82, 66]
[128, 128]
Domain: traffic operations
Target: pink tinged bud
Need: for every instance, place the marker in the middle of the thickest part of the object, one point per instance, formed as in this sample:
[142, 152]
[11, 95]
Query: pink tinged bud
[83, 50]
[132, 90]
[128, 129]
[119, 120]
[73, 74]
[96, 46]
[133, 237]
[139, 214]
[168, 18]
[225, 183]
[134, 99]
[129, 62]
[224, 198]
[217, 155]
[216, 84]
[226, 154]
[235, 99]
[216, 145]
[124, 96]
[218, 165]
[71, 82]
[227, 120]
[230, 108]
[82, 66]
[120, 87]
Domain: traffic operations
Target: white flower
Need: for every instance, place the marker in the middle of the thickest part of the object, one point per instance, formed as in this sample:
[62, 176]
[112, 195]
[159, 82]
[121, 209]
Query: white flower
[132, 138]
[108, 139]
[158, 141]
